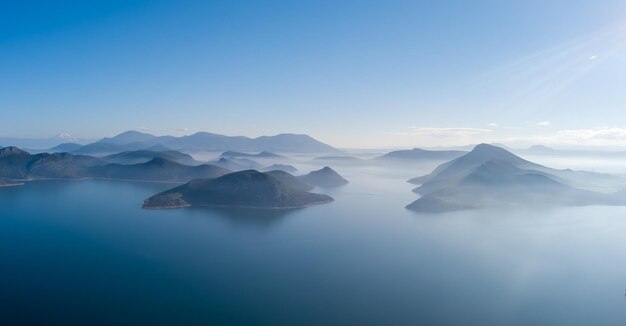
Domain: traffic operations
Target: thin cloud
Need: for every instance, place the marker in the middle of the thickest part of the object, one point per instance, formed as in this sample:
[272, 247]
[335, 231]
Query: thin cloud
[606, 136]
[543, 123]
[443, 136]
[442, 132]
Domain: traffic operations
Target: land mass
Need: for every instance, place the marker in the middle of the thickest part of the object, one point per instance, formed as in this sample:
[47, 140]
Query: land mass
[204, 141]
[326, 177]
[491, 176]
[16, 164]
[248, 188]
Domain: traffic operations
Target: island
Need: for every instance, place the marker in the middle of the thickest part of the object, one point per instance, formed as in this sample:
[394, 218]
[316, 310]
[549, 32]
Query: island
[490, 176]
[249, 188]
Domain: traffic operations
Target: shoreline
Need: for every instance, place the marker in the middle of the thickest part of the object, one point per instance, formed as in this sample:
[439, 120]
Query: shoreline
[105, 179]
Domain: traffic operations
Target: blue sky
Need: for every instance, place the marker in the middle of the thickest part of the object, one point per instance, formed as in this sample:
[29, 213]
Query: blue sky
[350, 73]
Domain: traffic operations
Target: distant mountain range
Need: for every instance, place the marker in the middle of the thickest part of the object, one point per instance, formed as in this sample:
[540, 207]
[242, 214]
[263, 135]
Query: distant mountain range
[239, 189]
[549, 151]
[17, 165]
[421, 154]
[41, 143]
[492, 176]
[204, 141]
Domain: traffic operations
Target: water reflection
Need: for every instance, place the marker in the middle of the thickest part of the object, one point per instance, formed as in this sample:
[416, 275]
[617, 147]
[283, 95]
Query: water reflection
[254, 217]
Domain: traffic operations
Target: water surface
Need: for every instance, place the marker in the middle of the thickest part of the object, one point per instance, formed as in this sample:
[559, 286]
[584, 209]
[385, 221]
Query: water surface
[85, 252]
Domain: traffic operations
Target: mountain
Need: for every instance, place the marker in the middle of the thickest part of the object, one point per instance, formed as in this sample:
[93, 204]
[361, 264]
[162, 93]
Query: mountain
[18, 164]
[204, 141]
[143, 156]
[540, 149]
[452, 171]
[420, 154]
[157, 169]
[127, 137]
[41, 143]
[281, 167]
[292, 143]
[99, 148]
[491, 176]
[237, 164]
[290, 180]
[484, 152]
[65, 147]
[325, 177]
[264, 154]
[537, 150]
[239, 189]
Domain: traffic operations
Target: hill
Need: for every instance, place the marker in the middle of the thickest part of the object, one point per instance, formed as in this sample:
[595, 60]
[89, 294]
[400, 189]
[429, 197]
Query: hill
[420, 154]
[290, 180]
[18, 164]
[143, 156]
[158, 169]
[492, 176]
[239, 189]
[282, 167]
[65, 147]
[325, 177]
[237, 164]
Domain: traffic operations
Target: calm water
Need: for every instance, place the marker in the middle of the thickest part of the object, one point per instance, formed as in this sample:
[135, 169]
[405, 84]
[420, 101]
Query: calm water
[84, 252]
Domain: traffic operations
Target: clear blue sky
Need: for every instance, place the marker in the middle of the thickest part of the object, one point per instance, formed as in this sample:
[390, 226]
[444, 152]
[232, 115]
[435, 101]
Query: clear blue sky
[351, 73]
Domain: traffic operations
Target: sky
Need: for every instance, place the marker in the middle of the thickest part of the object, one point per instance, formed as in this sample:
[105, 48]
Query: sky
[354, 74]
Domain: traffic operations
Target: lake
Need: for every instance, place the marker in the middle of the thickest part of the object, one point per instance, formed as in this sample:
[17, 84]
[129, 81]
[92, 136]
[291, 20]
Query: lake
[84, 252]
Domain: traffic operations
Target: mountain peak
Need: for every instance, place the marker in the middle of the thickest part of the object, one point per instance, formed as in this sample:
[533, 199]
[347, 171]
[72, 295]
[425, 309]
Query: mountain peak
[485, 152]
[11, 150]
[128, 137]
[487, 147]
[326, 177]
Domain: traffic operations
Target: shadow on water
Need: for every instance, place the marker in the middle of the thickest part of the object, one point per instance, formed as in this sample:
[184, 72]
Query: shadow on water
[240, 216]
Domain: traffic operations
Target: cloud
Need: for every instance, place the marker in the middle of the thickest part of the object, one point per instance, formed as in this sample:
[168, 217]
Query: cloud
[424, 136]
[493, 124]
[442, 132]
[606, 136]
[543, 123]
[144, 129]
